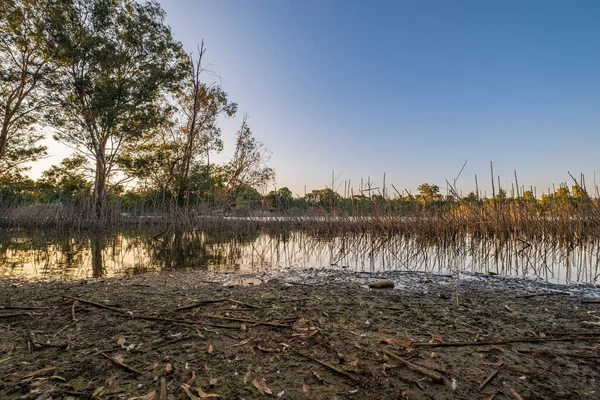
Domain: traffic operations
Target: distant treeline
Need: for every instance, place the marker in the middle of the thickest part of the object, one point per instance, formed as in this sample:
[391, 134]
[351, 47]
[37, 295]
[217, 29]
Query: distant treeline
[62, 185]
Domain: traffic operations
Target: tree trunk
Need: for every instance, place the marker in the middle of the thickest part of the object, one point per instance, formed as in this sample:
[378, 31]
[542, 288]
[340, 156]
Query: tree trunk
[97, 260]
[4, 136]
[100, 187]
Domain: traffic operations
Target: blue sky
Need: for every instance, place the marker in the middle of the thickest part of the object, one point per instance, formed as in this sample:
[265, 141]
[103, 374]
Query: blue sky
[409, 88]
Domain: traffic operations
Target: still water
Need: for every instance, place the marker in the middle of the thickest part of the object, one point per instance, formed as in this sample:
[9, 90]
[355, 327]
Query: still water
[48, 255]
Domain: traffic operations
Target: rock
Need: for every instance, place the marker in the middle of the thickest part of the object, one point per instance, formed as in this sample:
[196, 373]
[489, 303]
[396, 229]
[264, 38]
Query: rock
[384, 284]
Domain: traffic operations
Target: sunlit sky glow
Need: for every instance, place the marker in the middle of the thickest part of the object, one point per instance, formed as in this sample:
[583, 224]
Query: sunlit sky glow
[409, 88]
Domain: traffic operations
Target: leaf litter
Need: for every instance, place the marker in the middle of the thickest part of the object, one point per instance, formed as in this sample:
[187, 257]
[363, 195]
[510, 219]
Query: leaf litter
[108, 339]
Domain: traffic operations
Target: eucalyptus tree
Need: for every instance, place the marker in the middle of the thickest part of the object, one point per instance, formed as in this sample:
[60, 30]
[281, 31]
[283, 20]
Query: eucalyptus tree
[248, 168]
[117, 61]
[200, 103]
[176, 158]
[24, 67]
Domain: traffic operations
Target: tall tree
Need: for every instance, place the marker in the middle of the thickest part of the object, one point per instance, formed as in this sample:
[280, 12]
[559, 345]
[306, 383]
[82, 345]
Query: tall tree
[116, 61]
[24, 67]
[248, 168]
[200, 104]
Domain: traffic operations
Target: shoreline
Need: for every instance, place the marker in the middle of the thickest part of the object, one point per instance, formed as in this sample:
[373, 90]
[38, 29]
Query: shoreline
[298, 334]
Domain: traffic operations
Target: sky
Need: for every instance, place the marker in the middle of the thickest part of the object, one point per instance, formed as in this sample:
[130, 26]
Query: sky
[412, 89]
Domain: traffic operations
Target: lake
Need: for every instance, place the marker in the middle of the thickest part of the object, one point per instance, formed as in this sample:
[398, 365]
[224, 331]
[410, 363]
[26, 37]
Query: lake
[44, 254]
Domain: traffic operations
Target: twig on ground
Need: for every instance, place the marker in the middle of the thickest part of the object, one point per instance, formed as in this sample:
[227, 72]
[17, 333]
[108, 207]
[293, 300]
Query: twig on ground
[121, 364]
[488, 379]
[419, 368]
[331, 367]
[506, 341]
[93, 303]
[526, 296]
[200, 303]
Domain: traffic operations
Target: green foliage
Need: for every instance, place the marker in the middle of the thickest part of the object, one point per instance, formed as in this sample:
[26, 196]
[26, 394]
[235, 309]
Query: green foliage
[248, 167]
[24, 70]
[116, 59]
[64, 182]
[429, 193]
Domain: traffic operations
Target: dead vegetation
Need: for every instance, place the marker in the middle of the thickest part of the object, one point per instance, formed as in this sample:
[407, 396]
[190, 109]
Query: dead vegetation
[188, 336]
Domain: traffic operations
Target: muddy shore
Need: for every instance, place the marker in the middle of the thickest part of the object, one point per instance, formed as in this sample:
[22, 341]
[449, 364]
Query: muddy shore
[298, 335]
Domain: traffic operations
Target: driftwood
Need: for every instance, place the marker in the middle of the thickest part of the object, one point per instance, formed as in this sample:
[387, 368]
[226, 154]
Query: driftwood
[121, 364]
[331, 367]
[419, 368]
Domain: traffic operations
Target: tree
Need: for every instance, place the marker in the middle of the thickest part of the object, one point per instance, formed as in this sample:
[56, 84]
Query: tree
[116, 59]
[23, 69]
[528, 196]
[429, 193]
[248, 167]
[200, 104]
[66, 180]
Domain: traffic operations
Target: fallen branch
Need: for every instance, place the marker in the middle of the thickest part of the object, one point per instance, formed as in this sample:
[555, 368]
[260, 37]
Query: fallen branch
[121, 364]
[526, 296]
[506, 341]
[241, 303]
[331, 367]
[14, 315]
[93, 303]
[558, 354]
[419, 368]
[124, 314]
[250, 321]
[200, 303]
[177, 321]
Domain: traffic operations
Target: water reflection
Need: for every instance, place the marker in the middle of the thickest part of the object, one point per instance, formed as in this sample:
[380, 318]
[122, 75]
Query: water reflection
[47, 255]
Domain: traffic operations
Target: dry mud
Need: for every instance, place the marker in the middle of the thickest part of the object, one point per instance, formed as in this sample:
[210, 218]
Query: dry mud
[313, 334]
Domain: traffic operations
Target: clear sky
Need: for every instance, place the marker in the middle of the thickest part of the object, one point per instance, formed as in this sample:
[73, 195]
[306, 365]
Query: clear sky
[409, 88]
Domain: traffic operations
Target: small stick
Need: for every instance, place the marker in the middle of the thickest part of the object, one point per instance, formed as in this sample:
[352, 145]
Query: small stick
[14, 315]
[199, 303]
[22, 308]
[92, 303]
[488, 380]
[526, 296]
[419, 368]
[516, 395]
[507, 341]
[163, 389]
[119, 363]
[250, 321]
[299, 283]
[242, 303]
[73, 311]
[590, 302]
[293, 300]
[331, 367]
